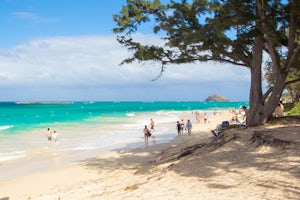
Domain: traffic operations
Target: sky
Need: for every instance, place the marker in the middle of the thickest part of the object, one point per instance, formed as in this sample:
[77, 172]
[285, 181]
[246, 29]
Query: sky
[65, 50]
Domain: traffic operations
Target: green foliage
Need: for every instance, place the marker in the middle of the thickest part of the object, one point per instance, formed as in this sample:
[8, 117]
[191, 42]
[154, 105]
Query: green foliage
[200, 30]
[286, 98]
[288, 106]
[233, 31]
[293, 77]
[135, 13]
[295, 111]
[204, 30]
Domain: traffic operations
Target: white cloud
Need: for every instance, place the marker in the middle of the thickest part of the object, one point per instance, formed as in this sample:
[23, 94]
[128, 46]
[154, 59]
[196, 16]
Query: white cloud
[90, 64]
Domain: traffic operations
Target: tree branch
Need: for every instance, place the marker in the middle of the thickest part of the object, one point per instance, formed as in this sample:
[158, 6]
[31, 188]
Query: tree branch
[293, 81]
[291, 42]
[268, 92]
[292, 57]
[160, 74]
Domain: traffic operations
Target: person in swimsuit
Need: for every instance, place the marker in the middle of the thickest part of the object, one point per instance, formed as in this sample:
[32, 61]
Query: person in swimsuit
[54, 136]
[48, 134]
[151, 125]
[146, 135]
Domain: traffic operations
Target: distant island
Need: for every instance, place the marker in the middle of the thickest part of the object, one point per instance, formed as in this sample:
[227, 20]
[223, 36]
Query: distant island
[44, 102]
[216, 97]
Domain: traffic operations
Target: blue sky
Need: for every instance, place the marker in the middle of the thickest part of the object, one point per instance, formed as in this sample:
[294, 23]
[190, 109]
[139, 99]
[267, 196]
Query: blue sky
[22, 20]
[65, 50]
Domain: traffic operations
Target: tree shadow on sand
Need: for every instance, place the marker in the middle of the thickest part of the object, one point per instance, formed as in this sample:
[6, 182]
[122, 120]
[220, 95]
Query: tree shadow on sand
[245, 155]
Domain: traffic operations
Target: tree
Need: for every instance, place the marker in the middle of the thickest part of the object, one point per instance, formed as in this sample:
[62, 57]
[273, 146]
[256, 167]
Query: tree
[293, 89]
[233, 31]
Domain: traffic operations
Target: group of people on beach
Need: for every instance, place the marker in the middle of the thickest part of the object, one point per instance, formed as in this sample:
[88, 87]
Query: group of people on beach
[51, 136]
[239, 116]
[198, 116]
[181, 126]
[149, 132]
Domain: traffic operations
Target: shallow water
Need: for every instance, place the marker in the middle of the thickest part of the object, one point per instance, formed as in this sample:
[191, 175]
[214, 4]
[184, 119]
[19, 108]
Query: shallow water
[90, 125]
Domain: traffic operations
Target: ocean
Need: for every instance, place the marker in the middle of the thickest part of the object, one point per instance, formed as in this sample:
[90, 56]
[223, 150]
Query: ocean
[89, 125]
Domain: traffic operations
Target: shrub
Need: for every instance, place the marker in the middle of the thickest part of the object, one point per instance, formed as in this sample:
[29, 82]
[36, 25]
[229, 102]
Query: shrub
[288, 107]
[294, 111]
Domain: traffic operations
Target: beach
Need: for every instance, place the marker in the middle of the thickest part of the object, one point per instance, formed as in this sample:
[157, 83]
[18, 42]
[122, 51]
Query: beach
[234, 166]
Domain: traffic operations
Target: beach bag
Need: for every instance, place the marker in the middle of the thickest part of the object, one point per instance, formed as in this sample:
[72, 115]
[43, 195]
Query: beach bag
[149, 134]
[225, 123]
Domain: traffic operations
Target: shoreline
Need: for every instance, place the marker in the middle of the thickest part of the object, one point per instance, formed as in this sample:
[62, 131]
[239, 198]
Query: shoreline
[23, 177]
[87, 135]
[77, 136]
[52, 159]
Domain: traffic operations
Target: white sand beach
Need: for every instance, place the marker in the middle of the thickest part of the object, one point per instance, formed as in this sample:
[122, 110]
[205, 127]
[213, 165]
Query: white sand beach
[243, 163]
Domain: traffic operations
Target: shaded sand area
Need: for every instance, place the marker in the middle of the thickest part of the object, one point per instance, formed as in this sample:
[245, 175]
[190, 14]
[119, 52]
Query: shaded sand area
[242, 163]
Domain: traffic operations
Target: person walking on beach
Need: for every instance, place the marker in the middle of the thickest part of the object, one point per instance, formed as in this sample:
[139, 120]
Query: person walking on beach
[182, 126]
[178, 127]
[198, 117]
[146, 135]
[151, 125]
[48, 134]
[54, 136]
[189, 127]
[205, 118]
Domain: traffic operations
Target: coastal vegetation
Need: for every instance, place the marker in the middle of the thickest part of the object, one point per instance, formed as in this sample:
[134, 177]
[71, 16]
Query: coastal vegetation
[249, 34]
[295, 111]
[293, 89]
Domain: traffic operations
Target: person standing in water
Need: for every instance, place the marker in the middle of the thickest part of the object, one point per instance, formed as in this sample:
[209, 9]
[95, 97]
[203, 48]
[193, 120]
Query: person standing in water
[151, 125]
[54, 136]
[48, 134]
[146, 135]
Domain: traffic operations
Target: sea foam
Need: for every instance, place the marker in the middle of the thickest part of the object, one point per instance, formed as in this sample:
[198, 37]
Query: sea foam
[5, 127]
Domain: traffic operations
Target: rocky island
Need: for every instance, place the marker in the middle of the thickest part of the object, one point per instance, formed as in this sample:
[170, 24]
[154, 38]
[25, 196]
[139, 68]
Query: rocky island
[216, 97]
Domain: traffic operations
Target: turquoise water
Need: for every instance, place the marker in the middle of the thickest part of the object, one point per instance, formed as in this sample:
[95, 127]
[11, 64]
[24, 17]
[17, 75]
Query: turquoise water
[90, 125]
[17, 117]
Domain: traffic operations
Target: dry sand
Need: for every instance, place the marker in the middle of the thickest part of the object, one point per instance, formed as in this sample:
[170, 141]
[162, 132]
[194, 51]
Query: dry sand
[243, 163]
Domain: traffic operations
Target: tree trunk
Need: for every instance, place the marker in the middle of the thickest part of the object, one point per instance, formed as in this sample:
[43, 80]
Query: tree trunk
[274, 98]
[261, 110]
[255, 114]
